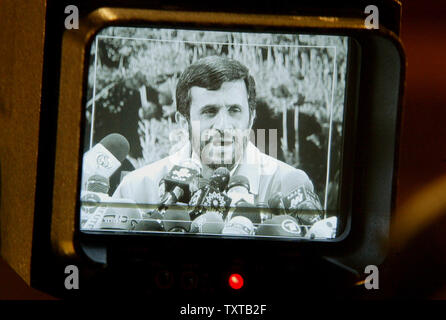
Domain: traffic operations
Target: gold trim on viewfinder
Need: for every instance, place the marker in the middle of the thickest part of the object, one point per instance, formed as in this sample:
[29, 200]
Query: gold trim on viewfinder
[75, 50]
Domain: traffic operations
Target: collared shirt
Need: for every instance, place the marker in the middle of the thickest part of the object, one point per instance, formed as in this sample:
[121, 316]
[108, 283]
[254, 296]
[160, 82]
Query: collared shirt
[265, 174]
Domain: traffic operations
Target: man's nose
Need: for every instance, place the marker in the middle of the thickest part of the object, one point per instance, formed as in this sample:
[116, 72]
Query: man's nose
[222, 121]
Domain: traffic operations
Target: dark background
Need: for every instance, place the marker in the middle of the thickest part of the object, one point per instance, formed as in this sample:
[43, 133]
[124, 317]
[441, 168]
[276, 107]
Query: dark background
[423, 131]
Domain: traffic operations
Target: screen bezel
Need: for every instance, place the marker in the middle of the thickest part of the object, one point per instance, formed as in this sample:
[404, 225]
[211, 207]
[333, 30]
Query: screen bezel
[101, 18]
[343, 214]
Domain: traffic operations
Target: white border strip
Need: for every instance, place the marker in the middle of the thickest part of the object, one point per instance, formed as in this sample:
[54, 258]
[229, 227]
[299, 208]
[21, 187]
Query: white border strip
[222, 43]
[93, 109]
[330, 131]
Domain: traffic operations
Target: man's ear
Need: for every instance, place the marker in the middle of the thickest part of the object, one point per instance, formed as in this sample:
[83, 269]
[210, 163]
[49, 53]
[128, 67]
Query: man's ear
[181, 120]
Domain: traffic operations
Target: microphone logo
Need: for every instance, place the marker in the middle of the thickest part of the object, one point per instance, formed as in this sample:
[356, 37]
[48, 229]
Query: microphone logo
[182, 174]
[291, 226]
[111, 218]
[103, 160]
[214, 200]
[297, 197]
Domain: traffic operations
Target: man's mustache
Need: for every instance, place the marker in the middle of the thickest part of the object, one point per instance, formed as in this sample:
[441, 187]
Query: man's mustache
[219, 138]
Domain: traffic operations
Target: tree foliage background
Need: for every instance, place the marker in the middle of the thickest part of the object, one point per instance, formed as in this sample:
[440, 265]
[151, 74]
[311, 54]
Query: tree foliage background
[134, 71]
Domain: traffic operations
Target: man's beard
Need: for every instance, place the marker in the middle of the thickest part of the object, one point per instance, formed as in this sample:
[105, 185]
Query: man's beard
[226, 164]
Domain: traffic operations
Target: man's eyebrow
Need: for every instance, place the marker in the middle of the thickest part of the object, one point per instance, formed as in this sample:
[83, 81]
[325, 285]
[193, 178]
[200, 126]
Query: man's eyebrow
[217, 106]
[209, 106]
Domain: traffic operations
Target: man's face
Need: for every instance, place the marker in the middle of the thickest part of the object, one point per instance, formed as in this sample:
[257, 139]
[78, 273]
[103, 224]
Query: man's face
[219, 123]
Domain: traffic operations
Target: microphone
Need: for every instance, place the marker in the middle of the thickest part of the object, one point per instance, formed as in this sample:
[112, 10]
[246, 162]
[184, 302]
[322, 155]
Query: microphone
[153, 223]
[98, 184]
[176, 220]
[97, 192]
[242, 220]
[282, 226]
[121, 214]
[178, 182]
[220, 178]
[210, 197]
[265, 211]
[276, 204]
[105, 157]
[239, 225]
[156, 215]
[209, 222]
[323, 229]
[302, 204]
[238, 190]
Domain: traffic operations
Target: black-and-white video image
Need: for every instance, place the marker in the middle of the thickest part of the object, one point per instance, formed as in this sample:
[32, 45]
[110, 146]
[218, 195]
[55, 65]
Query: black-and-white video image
[213, 133]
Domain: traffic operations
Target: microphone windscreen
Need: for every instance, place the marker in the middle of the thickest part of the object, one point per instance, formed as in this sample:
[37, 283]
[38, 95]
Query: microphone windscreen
[303, 204]
[98, 183]
[239, 226]
[184, 176]
[117, 145]
[149, 225]
[283, 226]
[302, 199]
[220, 178]
[276, 202]
[323, 229]
[175, 219]
[210, 222]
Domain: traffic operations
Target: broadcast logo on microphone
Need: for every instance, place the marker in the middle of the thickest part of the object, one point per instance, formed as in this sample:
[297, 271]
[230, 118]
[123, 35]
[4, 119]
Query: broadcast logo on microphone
[179, 181]
[211, 196]
[291, 226]
[105, 157]
[104, 161]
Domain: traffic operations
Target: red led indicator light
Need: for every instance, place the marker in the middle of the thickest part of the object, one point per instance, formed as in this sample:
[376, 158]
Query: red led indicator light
[235, 281]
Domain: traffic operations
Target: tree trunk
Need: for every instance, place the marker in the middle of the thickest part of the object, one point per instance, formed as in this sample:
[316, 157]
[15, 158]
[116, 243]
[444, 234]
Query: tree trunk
[296, 132]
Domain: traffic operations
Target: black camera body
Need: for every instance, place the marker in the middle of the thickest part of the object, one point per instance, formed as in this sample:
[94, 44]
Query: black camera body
[167, 266]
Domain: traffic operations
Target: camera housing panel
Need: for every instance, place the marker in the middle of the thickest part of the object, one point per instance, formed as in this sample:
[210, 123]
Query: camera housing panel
[373, 108]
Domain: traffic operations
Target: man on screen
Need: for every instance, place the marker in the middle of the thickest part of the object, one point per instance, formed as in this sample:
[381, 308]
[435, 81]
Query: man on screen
[216, 105]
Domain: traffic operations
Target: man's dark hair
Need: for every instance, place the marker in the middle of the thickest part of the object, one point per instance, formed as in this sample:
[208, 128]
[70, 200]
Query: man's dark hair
[210, 73]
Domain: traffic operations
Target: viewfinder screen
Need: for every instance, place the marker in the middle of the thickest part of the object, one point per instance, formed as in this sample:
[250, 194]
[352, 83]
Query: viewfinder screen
[226, 134]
